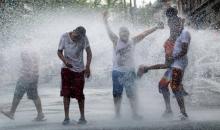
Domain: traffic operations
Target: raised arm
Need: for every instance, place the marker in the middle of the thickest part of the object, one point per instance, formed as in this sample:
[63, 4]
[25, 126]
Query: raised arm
[112, 35]
[142, 35]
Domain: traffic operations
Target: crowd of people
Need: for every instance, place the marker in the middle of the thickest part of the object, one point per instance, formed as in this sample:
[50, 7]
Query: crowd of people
[74, 71]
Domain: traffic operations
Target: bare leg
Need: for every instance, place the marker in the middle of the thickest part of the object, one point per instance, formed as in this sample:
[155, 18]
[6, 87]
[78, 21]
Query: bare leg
[81, 108]
[117, 103]
[66, 102]
[167, 102]
[82, 119]
[134, 107]
[38, 105]
[14, 106]
[180, 101]
[40, 115]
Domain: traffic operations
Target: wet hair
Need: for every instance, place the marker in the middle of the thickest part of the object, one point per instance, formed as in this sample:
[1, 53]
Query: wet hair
[123, 29]
[80, 31]
[170, 12]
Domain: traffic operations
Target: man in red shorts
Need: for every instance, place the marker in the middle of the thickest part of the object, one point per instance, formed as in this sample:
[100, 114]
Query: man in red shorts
[70, 51]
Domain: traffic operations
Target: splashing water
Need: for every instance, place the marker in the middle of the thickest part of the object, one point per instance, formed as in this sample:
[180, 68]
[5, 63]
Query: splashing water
[201, 77]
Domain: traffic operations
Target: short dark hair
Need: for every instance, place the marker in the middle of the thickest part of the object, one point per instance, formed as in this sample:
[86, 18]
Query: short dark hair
[80, 31]
[170, 12]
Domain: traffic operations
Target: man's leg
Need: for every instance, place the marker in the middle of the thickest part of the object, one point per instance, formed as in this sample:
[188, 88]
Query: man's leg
[166, 98]
[81, 104]
[66, 102]
[18, 94]
[37, 103]
[177, 90]
[180, 101]
[134, 108]
[78, 83]
[117, 92]
[82, 119]
[66, 78]
[11, 113]
[32, 94]
[117, 104]
[130, 87]
[164, 90]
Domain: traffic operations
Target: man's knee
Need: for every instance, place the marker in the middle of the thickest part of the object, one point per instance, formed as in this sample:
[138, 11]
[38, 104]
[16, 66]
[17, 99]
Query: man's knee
[117, 95]
[33, 96]
[178, 93]
[163, 87]
[80, 98]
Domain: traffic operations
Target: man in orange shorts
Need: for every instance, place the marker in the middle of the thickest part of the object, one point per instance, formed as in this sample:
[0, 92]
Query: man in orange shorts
[172, 75]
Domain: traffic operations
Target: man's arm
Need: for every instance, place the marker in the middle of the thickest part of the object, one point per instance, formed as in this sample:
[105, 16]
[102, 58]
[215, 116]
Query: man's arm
[144, 69]
[142, 35]
[157, 66]
[60, 55]
[88, 62]
[111, 34]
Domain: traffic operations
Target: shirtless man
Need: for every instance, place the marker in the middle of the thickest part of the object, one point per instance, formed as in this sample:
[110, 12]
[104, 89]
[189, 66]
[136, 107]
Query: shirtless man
[182, 37]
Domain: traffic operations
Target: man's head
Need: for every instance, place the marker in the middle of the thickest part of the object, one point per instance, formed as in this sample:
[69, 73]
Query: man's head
[171, 12]
[174, 22]
[124, 34]
[79, 32]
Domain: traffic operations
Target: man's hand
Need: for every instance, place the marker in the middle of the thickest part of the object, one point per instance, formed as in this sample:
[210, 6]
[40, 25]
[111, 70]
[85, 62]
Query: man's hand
[170, 58]
[160, 25]
[87, 72]
[68, 64]
[141, 70]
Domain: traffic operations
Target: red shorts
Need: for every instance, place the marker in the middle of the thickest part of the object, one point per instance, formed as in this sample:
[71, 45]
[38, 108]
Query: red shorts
[72, 84]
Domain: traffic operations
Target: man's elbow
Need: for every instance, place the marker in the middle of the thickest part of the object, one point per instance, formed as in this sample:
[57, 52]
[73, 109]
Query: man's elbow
[90, 54]
[59, 52]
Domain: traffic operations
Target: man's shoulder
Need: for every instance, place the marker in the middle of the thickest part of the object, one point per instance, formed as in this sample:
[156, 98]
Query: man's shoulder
[185, 32]
[65, 35]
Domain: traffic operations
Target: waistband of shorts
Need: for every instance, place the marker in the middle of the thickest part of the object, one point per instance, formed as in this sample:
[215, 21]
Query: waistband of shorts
[71, 70]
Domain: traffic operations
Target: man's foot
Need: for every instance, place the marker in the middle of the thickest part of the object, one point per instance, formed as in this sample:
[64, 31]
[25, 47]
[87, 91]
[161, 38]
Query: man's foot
[82, 121]
[167, 114]
[8, 114]
[184, 116]
[137, 117]
[66, 121]
[40, 117]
